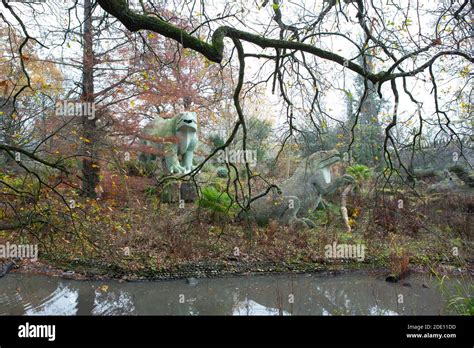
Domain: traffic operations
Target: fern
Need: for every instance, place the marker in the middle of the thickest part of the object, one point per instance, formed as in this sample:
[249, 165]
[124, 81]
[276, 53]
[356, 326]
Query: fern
[216, 201]
[359, 172]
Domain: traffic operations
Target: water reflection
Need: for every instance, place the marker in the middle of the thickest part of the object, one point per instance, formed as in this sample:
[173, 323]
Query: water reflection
[258, 295]
[250, 307]
[113, 303]
[62, 301]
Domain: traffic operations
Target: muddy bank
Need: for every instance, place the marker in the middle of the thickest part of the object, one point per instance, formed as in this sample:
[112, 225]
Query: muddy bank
[79, 270]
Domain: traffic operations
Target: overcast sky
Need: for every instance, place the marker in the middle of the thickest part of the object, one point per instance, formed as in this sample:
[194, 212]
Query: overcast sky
[54, 16]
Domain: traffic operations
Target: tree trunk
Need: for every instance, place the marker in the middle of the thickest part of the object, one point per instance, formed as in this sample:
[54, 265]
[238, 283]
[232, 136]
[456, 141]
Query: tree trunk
[90, 167]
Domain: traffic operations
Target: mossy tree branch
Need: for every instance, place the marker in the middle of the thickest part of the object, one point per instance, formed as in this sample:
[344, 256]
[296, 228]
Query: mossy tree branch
[214, 51]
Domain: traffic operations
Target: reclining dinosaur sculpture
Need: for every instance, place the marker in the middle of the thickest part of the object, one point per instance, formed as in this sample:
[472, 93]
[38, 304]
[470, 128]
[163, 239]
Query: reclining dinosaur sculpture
[453, 178]
[301, 193]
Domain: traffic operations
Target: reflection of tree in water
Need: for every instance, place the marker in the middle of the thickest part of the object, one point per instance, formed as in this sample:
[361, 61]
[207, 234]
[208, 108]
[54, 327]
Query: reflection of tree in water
[162, 298]
[36, 295]
[349, 295]
[276, 295]
[61, 301]
[364, 296]
[214, 299]
[115, 302]
[208, 297]
[85, 305]
[256, 295]
[264, 296]
[261, 296]
[98, 299]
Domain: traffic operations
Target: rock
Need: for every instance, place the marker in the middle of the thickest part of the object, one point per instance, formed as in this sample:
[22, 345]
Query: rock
[222, 172]
[192, 281]
[170, 193]
[6, 267]
[391, 279]
[407, 285]
[188, 192]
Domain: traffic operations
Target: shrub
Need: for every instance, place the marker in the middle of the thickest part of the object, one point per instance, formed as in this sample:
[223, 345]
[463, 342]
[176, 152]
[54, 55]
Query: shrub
[139, 168]
[454, 211]
[222, 172]
[326, 216]
[216, 201]
[459, 294]
[360, 172]
[391, 218]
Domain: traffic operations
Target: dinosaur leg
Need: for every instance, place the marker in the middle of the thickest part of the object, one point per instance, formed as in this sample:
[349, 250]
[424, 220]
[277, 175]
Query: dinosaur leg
[308, 222]
[322, 204]
[292, 205]
[292, 208]
[171, 159]
[188, 161]
[173, 165]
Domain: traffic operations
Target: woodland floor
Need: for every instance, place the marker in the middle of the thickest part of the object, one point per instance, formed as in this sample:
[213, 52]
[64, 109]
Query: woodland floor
[135, 238]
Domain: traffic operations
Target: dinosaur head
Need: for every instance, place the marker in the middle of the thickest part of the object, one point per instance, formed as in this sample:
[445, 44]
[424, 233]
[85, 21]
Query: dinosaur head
[318, 165]
[186, 120]
[323, 159]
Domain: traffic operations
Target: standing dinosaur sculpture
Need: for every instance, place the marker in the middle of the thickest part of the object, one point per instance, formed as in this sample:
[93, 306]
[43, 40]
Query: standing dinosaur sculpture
[179, 151]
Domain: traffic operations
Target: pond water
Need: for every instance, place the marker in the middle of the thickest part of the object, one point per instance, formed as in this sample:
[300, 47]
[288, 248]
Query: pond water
[22, 294]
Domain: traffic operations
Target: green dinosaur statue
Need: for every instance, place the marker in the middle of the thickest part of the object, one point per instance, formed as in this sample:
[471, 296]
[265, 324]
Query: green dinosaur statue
[301, 193]
[179, 152]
